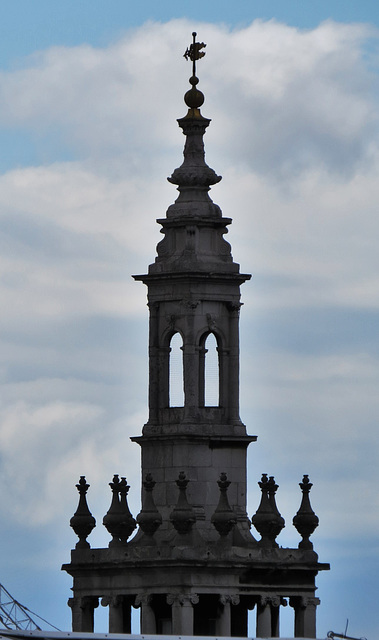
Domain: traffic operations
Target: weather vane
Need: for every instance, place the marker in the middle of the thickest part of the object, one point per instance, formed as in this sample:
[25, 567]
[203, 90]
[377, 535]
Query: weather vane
[194, 52]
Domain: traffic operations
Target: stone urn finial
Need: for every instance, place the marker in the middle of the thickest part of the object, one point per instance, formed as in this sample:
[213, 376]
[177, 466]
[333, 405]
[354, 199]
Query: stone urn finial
[305, 521]
[118, 519]
[128, 524]
[82, 521]
[267, 520]
[183, 515]
[149, 518]
[224, 518]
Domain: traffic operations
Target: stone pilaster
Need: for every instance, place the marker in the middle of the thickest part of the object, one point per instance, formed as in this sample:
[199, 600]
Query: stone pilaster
[305, 616]
[148, 622]
[263, 618]
[275, 616]
[119, 613]
[224, 620]
[83, 612]
[268, 609]
[182, 612]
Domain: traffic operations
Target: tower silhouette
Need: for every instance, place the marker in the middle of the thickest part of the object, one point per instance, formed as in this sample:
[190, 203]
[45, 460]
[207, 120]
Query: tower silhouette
[194, 567]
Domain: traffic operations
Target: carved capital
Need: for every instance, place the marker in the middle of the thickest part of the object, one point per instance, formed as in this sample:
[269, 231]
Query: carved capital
[273, 600]
[173, 598]
[303, 602]
[309, 601]
[84, 602]
[112, 601]
[182, 599]
[211, 321]
[234, 307]
[190, 303]
[187, 599]
[171, 319]
[232, 599]
[142, 599]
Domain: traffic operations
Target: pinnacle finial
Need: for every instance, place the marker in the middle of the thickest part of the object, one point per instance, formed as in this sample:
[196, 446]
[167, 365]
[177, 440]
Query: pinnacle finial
[267, 520]
[82, 521]
[223, 518]
[182, 516]
[194, 98]
[305, 520]
[193, 52]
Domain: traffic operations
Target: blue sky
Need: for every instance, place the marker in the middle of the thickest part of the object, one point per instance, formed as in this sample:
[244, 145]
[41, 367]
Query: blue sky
[89, 96]
[28, 27]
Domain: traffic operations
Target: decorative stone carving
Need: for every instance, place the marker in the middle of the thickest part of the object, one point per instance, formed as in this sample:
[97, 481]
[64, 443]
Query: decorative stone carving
[113, 601]
[224, 518]
[267, 519]
[305, 520]
[182, 516]
[182, 598]
[233, 599]
[89, 602]
[149, 518]
[194, 172]
[234, 307]
[171, 319]
[190, 303]
[142, 599]
[211, 321]
[129, 524]
[118, 520]
[82, 521]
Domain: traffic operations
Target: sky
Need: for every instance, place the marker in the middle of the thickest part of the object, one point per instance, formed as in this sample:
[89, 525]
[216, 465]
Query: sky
[89, 96]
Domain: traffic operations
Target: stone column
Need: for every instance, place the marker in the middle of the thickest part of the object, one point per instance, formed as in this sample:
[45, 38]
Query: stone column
[154, 361]
[305, 616]
[264, 617]
[182, 613]
[201, 351]
[148, 623]
[174, 602]
[224, 620]
[187, 602]
[233, 372]
[223, 359]
[275, 609]
[119, 614]
[191, 379]
[76, 614]
[83, 612]
[163, 373]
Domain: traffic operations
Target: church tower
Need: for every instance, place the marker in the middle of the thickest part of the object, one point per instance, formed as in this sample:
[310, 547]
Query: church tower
[194, 567]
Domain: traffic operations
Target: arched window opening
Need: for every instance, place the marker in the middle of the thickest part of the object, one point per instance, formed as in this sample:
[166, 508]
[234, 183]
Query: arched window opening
[211, 372]
[176, 391]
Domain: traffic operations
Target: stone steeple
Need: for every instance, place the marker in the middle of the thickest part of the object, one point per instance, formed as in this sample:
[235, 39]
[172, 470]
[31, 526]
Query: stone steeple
[194, 291]
[193, 566]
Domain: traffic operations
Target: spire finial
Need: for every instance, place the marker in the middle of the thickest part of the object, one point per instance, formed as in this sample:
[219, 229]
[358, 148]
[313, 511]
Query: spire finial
[193, 52]
[194, 98]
